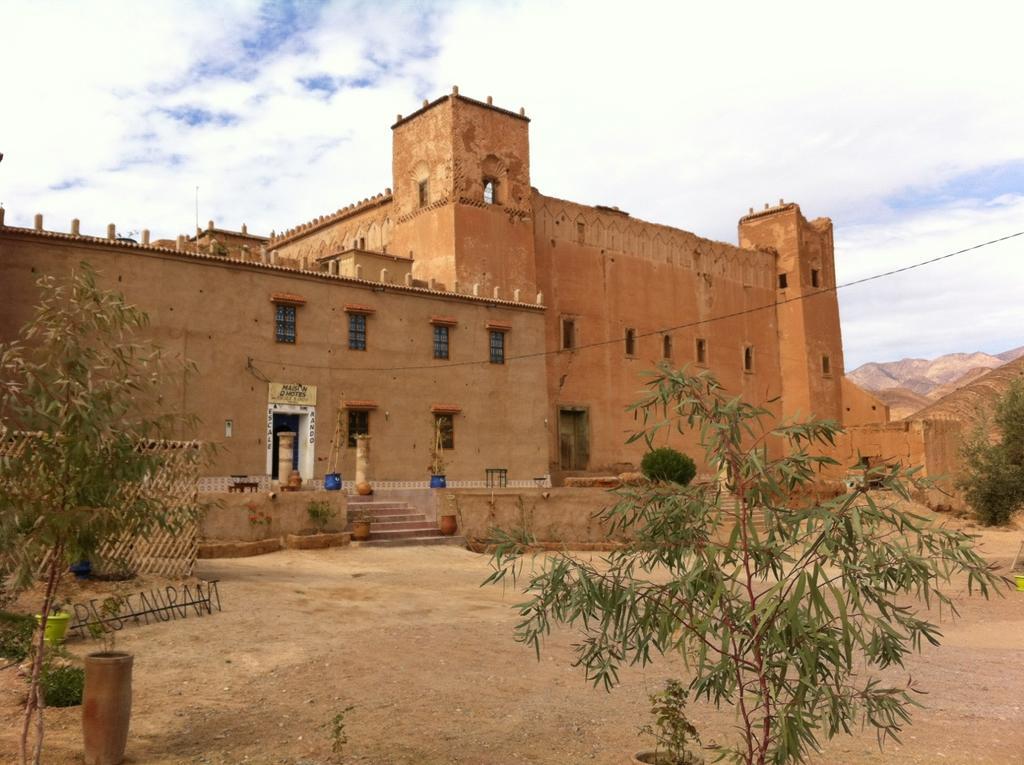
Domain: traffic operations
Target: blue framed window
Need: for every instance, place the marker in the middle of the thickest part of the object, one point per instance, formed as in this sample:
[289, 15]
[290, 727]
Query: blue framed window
[284, 323]
[440, 342]
[497, 347]
[357, 332]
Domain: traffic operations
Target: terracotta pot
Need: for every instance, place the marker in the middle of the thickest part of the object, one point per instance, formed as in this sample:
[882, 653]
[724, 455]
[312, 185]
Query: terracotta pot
[106, 707]
[447, 524]
[360, 531]
[295, 481]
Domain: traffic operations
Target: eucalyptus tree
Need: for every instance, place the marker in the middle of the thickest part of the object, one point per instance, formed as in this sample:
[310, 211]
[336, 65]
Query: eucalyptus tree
[793, 612]
[82, 460]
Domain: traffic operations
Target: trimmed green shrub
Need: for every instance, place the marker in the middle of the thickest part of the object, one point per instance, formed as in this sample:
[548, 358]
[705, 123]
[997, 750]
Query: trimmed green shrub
[16, 635]
[666, 464]
[62, 686]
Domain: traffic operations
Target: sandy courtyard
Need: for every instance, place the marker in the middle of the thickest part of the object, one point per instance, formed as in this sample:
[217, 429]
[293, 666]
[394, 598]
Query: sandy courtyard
[427, 659]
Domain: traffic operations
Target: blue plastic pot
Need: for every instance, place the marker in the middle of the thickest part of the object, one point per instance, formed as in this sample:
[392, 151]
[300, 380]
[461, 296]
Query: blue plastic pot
[437, 482]
[332, 482]
[81, 570]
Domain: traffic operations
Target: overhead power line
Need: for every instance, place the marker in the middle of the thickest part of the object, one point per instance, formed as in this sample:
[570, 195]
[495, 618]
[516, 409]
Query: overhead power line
[665, 330]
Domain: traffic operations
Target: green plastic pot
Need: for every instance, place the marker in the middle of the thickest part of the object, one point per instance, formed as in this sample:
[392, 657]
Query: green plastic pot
[56, 627]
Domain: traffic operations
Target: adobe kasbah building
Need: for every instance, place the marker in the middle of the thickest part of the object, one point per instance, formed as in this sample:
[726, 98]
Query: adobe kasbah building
[522, 321]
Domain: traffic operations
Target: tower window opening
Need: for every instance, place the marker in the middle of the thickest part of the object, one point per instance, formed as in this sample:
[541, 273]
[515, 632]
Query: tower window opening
[783, 281]
[424, 192]
[666, 347]
[748, 358]
[815, 280]
[702, 351]
[362, 243]
[826, 365]
[581, 233]
[490, 191]
[631, 342]
[568, 334]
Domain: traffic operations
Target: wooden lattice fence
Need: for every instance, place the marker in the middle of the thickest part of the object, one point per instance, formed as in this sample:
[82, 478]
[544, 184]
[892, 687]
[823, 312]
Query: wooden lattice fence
[169, 550]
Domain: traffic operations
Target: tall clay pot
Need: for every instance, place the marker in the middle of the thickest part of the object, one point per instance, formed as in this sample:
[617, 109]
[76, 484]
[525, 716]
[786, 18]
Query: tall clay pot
[106, 707]
[447, 524]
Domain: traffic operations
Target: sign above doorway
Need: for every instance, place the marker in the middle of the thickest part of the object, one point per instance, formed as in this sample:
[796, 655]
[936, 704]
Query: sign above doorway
[292, 393]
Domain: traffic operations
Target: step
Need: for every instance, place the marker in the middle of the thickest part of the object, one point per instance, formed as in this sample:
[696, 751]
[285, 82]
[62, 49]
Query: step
[396, 518]
[404, 533]
[371, 503]
[420, 524]
[388, 512]
[412, 541]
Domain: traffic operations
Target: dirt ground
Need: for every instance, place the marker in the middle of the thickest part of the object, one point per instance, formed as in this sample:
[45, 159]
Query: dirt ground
[426, 658]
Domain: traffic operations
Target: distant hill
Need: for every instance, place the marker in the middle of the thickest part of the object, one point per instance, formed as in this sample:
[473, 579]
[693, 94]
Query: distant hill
[922, 375]
[1016, 353]
[910, 385]
[964, 403]
[946, 388]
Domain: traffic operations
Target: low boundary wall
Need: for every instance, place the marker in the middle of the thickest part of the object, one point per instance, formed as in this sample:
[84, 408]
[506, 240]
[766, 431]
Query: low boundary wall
[228, 520]
[560, 515]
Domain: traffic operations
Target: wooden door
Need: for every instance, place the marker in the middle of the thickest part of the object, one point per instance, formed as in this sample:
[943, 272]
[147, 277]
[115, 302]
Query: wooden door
[573, 439]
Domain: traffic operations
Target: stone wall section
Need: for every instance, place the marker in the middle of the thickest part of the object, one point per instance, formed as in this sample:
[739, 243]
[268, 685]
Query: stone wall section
[612, 231]
[220, 313]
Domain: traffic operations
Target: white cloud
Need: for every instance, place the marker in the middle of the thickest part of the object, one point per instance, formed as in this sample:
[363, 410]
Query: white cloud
[681, 113]
[968, 302]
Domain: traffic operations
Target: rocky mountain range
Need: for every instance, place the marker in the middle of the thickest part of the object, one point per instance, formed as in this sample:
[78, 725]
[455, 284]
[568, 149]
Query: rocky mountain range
[909, 385]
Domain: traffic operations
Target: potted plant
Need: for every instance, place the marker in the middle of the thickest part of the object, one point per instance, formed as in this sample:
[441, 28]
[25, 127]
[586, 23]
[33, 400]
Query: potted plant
[56, 623]
[361, 521]
[81, 569]
[107, 698]
[437, 467]
[671, 730]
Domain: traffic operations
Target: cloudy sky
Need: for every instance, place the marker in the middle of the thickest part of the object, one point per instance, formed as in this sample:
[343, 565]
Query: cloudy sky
[902, 121]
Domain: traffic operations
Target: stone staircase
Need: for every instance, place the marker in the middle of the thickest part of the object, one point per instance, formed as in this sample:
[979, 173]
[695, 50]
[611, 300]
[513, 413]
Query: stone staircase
[397, 524]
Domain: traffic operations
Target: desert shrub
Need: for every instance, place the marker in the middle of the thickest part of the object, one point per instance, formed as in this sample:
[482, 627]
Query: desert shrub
[993, 479]
[62, 686]
[672, 730]
[666, 464]
[336, 731]
[16, 635]
[320, 513]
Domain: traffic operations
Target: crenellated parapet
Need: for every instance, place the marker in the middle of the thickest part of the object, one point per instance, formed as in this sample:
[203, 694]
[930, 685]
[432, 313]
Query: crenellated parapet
[319, 223]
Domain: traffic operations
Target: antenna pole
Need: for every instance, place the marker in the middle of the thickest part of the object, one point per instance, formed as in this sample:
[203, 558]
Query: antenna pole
[197, 220]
